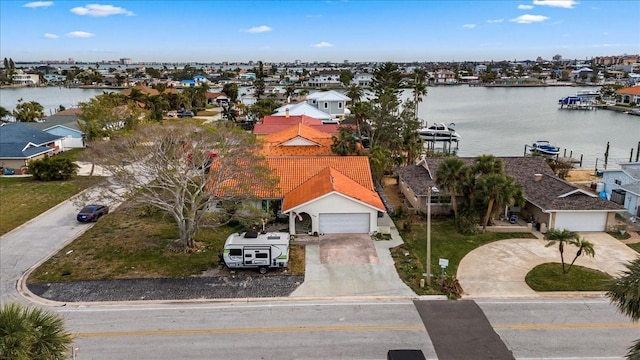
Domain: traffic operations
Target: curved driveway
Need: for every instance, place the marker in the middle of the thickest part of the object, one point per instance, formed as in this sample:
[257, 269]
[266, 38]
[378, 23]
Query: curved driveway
[498, 269]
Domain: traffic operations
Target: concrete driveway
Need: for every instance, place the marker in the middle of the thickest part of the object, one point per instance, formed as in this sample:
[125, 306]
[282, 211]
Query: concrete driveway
[498, 269]
[351, 265]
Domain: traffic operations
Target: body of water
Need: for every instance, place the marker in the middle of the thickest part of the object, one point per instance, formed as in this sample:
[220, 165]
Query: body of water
[498, 121]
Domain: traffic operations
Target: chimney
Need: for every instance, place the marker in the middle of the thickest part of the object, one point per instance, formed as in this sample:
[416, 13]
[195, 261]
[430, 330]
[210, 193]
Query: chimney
[286, 113]
[537, 177]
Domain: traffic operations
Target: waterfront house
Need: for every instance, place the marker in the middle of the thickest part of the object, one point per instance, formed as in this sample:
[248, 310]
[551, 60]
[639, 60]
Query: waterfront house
[330, 102]
[21, 143]
[362, 79]
[622, 186]
[445, 77]
[550, 201]
[21, 78]
[628, 96]
[272, 124]
[325, 78]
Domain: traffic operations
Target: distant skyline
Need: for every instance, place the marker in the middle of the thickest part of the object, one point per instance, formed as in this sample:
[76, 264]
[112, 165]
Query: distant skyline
[285, 31]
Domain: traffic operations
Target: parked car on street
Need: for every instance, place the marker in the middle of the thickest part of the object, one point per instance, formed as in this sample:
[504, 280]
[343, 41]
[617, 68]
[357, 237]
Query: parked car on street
[92, 212]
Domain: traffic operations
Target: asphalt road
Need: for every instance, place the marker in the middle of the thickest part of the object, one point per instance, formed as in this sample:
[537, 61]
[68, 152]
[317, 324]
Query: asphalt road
[340, 329]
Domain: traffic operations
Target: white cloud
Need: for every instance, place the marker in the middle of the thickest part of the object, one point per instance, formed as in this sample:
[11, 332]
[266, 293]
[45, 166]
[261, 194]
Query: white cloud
[37, 4]
[469, 26]
[258, 29]
[50, 36]
[495, 21]
[100, 10]
[567, 4]
[323, 44]
[525, 7]
[80, 34]
[528, 19]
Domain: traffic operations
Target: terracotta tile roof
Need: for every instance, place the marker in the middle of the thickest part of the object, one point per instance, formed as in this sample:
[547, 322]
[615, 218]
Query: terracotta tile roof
[266, 129]
[298, 140]
[70, 111]
[293, 171]
[143, 89]
[634, 90]
[328, 181]
[291, 120]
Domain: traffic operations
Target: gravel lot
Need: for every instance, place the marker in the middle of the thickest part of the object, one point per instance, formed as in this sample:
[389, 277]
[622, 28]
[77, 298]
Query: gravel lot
[240, 285]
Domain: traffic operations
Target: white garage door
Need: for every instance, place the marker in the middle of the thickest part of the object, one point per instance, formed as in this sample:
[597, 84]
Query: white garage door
[581, 221]
[344, 223]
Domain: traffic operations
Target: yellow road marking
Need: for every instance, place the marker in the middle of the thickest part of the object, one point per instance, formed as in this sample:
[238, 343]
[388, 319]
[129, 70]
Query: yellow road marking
[568, 326]
[249, 330]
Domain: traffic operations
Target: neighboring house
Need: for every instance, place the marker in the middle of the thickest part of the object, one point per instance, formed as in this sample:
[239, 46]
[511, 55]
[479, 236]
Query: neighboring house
[55, 78]
[622, 186]
[330, 102]
[582, 73]
[629, 95]
[326, 194]
[21, 78]
[64, 123]
[298, 140]
[445, 77]
[271, 124]
[302, 109]
[217, 98]
[327, 78]
[362, 79]
[142, 88]
[549, 200]
[21, 143]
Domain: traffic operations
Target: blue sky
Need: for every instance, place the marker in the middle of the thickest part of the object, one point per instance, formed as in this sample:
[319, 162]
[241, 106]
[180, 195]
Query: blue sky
[354, 30]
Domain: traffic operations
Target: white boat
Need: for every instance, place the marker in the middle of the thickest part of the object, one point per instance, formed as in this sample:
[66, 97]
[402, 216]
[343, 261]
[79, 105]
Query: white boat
[439, 132]
[543, 147]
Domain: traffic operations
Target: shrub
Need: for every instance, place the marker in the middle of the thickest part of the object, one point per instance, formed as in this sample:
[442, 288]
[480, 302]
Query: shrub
[450, 287]
[467, 222]
[50, 169]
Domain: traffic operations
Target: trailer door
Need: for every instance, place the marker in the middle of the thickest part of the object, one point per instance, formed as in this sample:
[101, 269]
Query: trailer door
[257, 255]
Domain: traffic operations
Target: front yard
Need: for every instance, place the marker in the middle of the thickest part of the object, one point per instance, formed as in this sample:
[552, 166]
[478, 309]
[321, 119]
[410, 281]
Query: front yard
[22, 198]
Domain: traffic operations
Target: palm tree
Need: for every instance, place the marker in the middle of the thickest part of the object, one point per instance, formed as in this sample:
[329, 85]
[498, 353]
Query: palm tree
[487, 164]
[31, 333]
[624, 292]
[355, 92]
[451, 173]
[498, 189]
[584, 247]
[562, 237]
[419, 90]
[344, 143]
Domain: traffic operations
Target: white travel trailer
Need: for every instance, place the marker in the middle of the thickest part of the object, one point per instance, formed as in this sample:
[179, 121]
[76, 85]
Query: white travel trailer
[257, 250]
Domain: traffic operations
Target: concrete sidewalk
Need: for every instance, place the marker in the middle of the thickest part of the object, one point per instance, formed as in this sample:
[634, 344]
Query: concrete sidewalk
[498, 269]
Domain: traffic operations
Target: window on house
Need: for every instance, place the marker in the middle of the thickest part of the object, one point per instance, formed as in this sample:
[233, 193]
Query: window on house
[339, 105]
[326, 105]
[618, 182]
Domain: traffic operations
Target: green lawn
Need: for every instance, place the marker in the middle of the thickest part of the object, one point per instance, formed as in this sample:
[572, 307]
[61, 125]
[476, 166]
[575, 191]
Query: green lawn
[22, 198]
[446, 243]
[549, 277]
[635, 246]
[129, 243]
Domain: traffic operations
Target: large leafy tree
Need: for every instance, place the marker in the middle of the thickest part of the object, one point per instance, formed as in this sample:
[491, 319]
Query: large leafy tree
[28, 111]
[624, 292]
[184, 169]
[231, 90]
[563, 238]
[452, 172]
[32, 333]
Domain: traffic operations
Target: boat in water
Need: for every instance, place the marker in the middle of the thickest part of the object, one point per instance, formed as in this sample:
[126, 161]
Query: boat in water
[543, 147]
[439, 132]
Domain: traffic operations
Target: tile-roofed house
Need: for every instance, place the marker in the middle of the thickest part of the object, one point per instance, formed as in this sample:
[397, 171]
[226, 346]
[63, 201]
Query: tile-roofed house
[298, 140]
[271, 124]
[549, 199]
[629, 95]
[142, 88]
[21, 143]
[333, 194]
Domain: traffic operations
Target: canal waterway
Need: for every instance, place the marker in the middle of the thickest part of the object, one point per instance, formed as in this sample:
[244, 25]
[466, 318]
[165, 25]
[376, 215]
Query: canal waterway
[498, 121]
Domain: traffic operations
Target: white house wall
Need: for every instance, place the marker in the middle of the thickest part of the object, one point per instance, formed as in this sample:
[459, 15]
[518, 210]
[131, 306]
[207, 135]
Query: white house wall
[334, 204]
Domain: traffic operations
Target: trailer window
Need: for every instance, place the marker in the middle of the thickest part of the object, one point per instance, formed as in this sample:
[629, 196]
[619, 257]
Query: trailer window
[235, 252]
[261, 256]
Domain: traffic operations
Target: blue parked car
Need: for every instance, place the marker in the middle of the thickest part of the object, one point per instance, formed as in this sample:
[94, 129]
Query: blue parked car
[93, 212]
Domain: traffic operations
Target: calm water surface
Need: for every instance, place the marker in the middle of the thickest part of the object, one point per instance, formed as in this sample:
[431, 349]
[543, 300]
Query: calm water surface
[498, 121]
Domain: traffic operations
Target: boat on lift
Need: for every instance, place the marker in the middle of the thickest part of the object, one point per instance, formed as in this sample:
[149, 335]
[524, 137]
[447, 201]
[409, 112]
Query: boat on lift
[439, 132]
[543, 147]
